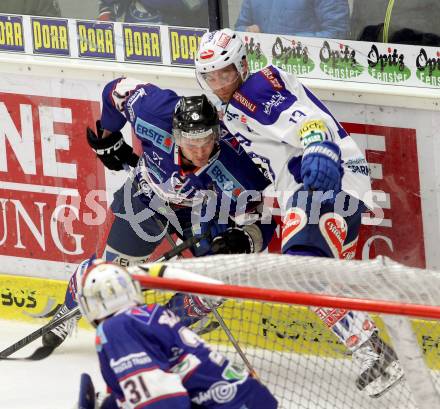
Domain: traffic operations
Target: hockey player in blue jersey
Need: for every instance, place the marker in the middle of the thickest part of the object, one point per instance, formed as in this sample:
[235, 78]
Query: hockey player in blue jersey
[148, 359]
[184, 161]
[320, 177]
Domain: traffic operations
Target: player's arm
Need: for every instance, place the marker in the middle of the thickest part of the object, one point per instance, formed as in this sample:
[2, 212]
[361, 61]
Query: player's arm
[299, 119]
[107, 141]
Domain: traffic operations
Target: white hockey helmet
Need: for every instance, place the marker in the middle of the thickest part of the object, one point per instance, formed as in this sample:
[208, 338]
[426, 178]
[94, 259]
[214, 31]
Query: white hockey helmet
[106, 288]
[217, 50]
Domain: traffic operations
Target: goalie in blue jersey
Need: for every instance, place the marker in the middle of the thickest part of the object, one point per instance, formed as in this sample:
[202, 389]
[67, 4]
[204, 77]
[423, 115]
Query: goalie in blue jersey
[148, 359]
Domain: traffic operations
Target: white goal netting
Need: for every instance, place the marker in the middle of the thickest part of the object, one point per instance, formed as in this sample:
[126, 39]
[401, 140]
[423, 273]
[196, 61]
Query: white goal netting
[296, 355]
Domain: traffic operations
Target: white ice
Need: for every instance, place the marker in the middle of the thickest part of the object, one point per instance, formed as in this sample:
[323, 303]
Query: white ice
[304, 382]
[52, 383]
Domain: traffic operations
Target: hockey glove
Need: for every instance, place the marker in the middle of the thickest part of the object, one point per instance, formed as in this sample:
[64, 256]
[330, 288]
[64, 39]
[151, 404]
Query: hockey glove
[208, 231]
[233, 241]
[112, 150]
[321, 167]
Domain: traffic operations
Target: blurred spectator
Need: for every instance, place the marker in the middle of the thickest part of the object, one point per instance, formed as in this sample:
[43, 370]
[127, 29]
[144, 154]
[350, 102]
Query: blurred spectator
[308, 18]
[188, 13]
[397, 21]
[48, 8]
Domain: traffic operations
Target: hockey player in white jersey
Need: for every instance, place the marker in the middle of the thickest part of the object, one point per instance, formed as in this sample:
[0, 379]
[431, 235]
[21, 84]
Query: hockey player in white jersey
[320, 177]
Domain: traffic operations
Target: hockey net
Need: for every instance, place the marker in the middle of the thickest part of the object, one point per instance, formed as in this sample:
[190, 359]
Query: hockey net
[267, 307]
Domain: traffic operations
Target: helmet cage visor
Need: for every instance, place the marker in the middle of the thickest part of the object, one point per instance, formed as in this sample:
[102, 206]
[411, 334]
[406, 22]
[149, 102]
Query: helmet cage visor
[221, 78]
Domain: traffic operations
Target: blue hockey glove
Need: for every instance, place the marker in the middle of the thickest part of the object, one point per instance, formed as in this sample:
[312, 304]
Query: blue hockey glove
[321, 167]
[89, 399]
[208, 231]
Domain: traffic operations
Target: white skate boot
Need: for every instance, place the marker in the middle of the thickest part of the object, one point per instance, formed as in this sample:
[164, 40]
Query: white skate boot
[380, 368]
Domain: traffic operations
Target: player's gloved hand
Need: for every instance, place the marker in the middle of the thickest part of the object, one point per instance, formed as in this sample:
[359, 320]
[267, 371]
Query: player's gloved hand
[112, 150]
[321, 167]
[208, 231]
[234, 240]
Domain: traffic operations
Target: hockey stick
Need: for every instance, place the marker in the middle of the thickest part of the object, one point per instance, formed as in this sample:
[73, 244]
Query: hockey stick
[224, 326]
[234, 342]
[43, 352]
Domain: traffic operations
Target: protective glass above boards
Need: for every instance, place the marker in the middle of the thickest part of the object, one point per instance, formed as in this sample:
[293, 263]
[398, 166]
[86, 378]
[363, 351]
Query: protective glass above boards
[388, 21]
[112, 30]
[187, 13]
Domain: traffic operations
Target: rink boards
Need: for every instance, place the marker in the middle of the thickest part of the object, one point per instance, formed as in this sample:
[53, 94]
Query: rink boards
[271, 327]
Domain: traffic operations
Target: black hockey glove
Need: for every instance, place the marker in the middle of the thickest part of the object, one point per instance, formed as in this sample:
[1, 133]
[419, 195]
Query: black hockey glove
[112, 150]
[233, 241]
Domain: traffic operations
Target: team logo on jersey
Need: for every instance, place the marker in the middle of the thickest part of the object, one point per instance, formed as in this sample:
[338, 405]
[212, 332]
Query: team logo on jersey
[234, 372]
[225, 181]
[219, 392]
[130, 361]
[334, 229]
[243, 101]
[275, 100]
[358, 165]
[269, 75]
[312, 131]
[294, 221]
[158, 137]
[186, 365]
[230, 116]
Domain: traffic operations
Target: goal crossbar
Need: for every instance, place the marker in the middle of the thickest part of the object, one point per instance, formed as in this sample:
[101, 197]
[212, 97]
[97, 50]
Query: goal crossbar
[290, 297]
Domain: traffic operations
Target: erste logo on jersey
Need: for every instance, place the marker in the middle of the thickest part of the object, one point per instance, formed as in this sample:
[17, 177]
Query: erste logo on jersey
[158, 137]
[270, 76]
[225, 180]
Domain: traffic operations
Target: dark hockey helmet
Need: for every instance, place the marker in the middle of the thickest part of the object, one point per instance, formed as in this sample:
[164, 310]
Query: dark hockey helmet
[195, 121]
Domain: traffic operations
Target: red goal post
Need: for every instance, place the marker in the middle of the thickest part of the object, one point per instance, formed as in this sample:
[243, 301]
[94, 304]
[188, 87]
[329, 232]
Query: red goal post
[303, 363]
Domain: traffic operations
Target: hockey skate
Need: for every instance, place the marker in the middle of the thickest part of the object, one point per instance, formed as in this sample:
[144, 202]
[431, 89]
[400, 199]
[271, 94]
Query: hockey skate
[380, 368]
[56, 336]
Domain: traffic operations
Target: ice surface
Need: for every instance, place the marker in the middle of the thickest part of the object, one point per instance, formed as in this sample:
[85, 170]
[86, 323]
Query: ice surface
[52, 383]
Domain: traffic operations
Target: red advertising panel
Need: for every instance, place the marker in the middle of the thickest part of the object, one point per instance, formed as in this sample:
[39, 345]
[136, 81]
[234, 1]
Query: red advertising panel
[52, 190]
[400, 233]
